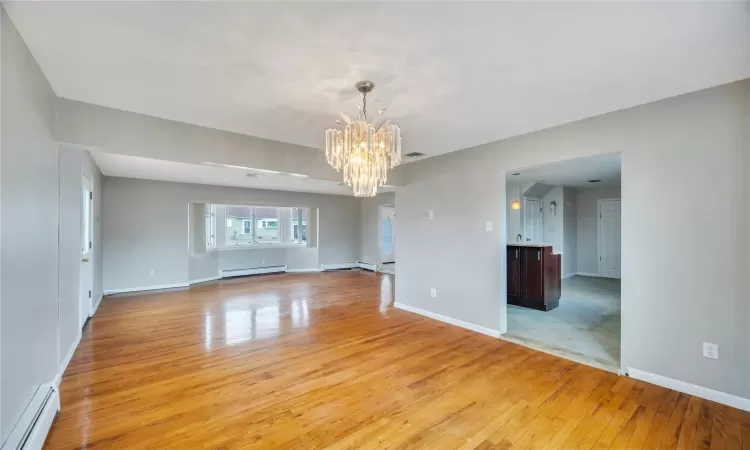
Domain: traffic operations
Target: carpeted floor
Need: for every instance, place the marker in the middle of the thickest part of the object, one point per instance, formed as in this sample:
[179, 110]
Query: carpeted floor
[585, 327]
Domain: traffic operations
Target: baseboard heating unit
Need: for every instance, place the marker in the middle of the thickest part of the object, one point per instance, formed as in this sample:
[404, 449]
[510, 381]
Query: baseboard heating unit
[35, 422]
[253, 271]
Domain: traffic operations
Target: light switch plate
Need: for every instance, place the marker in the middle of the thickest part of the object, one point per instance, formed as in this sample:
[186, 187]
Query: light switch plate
[433, 292]
[488, 226]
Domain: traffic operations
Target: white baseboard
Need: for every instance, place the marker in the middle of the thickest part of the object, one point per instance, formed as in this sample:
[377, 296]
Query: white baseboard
[66, 360]
[569, 275]
[254, 271]
[351, 265]
[32, 428]
[203, 280]
[302, 270]
[368, 266]
[449, 320]
[692, 389]
[587, 274]
[146, 288]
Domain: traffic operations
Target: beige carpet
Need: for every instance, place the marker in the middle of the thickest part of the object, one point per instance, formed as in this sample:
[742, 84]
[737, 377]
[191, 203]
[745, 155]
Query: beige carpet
[585, 327]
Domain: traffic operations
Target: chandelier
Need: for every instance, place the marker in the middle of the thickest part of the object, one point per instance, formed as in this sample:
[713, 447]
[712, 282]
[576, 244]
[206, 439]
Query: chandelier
[364, 150]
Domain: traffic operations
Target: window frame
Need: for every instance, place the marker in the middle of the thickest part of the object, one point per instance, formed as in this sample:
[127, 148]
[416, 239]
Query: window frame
[283, 222]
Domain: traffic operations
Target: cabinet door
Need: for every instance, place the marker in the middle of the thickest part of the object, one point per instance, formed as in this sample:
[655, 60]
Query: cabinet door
[532, 275]
[514, 273]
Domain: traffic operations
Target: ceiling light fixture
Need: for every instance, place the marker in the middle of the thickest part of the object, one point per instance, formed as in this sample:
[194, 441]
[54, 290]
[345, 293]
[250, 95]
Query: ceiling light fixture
[364, 150]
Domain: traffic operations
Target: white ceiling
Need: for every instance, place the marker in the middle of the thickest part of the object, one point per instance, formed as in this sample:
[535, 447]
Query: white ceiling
[574, 172]
[155, 169]
[452, 74]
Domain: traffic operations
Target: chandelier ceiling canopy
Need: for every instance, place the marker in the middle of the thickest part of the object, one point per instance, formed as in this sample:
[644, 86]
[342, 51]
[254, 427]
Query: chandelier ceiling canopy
[364, 150]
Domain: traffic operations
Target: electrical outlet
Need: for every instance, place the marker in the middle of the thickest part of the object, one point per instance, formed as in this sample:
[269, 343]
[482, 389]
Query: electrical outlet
[262, 261]
[433, 292]
[488, 226]
[151, 272]
[710, 350]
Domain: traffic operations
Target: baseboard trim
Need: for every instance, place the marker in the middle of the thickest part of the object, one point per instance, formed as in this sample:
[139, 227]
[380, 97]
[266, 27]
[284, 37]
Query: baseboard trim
[302, 270]
[341, 266]
[587, 274]
[203, 280]
[569, 275]
[692, 389]
[66, 361]
[449, 320]
[368, 266]
[146, 288]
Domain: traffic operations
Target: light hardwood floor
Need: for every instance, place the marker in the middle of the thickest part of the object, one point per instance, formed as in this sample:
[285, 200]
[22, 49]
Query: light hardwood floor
[323, 361]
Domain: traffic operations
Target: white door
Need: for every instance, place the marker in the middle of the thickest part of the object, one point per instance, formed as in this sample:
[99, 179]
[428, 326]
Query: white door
[609, 238]
[87, 267]
[532, 220]
[387, 236]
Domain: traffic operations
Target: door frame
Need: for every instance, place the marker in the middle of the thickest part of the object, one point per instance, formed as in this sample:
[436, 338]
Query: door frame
[380, 232]
[599, 203]
[86, 306]
[541, 218]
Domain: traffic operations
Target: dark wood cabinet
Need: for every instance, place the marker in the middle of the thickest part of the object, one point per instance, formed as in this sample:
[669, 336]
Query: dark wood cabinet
[514, 273]
[533, 277]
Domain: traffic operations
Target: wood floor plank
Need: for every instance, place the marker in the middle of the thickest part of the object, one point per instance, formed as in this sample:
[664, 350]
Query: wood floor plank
[302, 361]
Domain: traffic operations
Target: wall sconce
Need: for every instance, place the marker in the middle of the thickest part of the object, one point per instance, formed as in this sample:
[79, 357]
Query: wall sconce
[515, 205]
[552, 207]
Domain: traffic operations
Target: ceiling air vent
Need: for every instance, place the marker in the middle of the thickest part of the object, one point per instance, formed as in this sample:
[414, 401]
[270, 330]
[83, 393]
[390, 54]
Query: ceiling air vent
[414, 155]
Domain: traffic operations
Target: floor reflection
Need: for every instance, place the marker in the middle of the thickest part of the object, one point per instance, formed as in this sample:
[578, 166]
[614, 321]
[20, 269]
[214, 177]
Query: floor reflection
[263, 315]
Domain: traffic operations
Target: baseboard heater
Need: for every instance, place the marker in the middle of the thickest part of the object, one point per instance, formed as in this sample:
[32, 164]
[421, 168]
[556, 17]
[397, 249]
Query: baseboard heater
[35, 422]
[252, 271]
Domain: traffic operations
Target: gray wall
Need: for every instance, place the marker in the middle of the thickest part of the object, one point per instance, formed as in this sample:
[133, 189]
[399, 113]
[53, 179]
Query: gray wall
[369, 234]
[570, 232]
[588, 228]
[678, 155]
[29, 226]
[553, 225]
[145, 227]
[73, 164]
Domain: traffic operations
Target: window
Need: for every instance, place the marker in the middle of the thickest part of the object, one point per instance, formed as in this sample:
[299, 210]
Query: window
[210, 226]
[239, 225]
[298, 229]
[259, 226]
[267, 230]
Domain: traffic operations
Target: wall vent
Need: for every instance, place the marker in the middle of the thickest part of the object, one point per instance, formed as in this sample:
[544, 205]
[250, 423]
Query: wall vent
[414, 155]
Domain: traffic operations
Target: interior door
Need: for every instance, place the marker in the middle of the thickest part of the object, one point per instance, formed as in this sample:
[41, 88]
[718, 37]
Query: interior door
[609, 238]
[532, 219]
[387, 236]
[86, 272]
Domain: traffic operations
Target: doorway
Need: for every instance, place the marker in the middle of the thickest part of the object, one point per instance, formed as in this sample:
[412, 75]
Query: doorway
[387, 241]
[87, 267]
[563, 259]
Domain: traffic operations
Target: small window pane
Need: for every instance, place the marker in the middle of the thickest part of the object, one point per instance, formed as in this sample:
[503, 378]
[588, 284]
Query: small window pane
[236, 233]
[299, 225]
[267, 226]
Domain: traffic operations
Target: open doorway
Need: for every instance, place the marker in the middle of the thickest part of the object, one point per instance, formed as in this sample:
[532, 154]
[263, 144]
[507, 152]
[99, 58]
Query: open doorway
[387, 241]
[563, 257]
[87, 268]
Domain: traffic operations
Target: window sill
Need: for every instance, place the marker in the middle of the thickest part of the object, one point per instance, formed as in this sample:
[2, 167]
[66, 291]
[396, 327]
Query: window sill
[257, 247]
